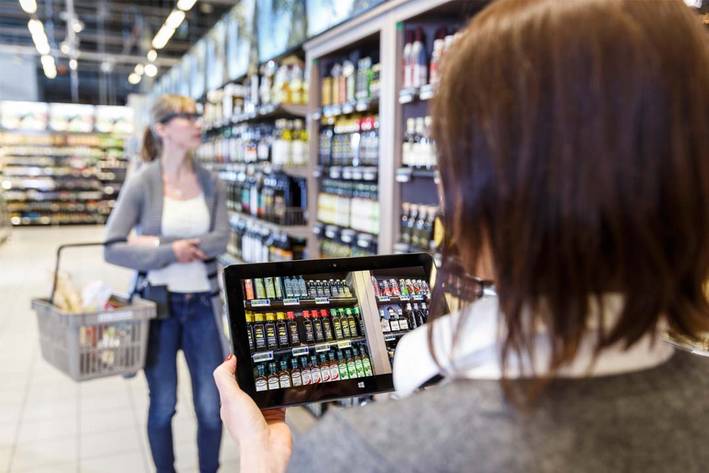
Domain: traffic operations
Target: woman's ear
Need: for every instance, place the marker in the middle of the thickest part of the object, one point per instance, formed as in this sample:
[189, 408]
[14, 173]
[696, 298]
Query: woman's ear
[159, 130]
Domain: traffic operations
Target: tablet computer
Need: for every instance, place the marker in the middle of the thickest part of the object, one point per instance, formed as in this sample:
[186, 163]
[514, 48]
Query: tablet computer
[318, 330]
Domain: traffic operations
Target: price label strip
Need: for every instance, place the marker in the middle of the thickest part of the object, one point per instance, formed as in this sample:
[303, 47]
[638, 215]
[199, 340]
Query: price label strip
[300, 351]
[265, 356]
[261, 303]
[291, 301]
[321, 348]
[344, 344]
[384, 299]
[322, 300]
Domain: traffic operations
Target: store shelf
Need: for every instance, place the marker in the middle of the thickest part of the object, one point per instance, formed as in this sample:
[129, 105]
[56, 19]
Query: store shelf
[345, 235]
[267, 355]
[357, 106]
[300, 231]
[392, 336]
[229, 171]
[295, 302]
[347, 173]
[414, 94]
[398, 299]
[264, 113]
[406, 174]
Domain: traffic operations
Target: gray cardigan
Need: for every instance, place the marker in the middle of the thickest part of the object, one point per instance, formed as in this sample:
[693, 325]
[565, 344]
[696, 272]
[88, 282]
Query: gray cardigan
[139, 207]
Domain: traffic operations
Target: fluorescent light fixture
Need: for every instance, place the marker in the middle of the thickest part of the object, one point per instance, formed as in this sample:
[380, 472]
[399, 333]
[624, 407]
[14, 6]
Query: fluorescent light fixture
[29, 6]
[47, 61]
[151, 70]
[139, 69]
[175, 19]
[50, 69]
[185, 5]
[77, 26]
[152, 55]
[39, 37]
[73, 64]
[35, 26]
[133, 78]
[162, 37]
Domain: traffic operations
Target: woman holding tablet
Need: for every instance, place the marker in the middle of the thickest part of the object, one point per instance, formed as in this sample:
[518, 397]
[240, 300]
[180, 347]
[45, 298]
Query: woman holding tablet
[572, 141]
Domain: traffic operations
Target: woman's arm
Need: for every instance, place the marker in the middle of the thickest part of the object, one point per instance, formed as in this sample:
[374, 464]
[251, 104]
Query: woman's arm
[124, 217]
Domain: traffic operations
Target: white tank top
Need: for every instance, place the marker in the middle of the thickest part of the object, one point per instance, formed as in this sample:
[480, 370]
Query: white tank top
[183, 219]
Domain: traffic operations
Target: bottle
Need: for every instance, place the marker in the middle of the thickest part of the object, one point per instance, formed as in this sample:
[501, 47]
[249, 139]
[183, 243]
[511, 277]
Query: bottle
[384, 320]
[315, 370]
[312, 290]
[270, 326]
[248, 289]
[409, 314]
[282, 330]
[288, 287]
[359, 367]
[418, 56]
[326, 325]
[260, 333]
[418, 314]
[409, 139]
[394, 287]
[309, 330]
[279, 287]
[250, 329]
[366, 362]
[407, 62]
[403, 321]
[342, 366]
[358, 317]
[284, 379]
[260, 378]
[346, 288]
[424, 312]
[317, 326]
[324, 368]
[260, 289]
[305, 372]
[273, 382]
[393, 320]
[336, 324]
[351, 367]
[302, 287]
[346, 332]
[375, 284]
[293, 333]
[351, 322]
[270, 288]
[295, 373]
[334, 368]
[386, 292]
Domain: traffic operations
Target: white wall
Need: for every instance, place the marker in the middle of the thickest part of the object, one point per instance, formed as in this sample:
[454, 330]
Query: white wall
[18, 80]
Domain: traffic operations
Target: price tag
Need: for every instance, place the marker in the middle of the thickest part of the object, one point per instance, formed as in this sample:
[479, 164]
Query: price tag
[404, 298]
[321, 348]
[300, 351]
[261, 303]
[363, 243]
[347, 108]
[403, 175]
[291, 301]
[330, 234]
[346, 238]
[322, 300]
[265, 356]
[406, 98]
[389, 338]
[114, 316]
[384, 298]
[427, 92]
[344, 344]
[418, 297]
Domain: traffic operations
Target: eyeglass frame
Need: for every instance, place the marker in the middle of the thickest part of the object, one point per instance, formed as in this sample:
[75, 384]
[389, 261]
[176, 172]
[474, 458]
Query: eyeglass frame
[192, 116]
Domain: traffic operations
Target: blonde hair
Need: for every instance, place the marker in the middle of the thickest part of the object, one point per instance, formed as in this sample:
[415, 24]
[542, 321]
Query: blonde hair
[163, 106]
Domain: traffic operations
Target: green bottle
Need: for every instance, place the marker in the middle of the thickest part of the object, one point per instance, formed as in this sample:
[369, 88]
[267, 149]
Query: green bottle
[342, 366]
[367, 363]
[351, 367]
[359, 367]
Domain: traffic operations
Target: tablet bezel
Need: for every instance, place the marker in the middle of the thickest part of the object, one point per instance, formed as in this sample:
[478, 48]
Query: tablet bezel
[234, 274]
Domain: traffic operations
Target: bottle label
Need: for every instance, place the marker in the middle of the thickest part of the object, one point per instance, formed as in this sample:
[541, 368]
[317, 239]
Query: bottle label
[260, 337]
[385, 326]
[351, 369]
[334, 372]
[294, 337]
[309, 332]
[338, 328]
[359, 368]
[325, 374]
[297, 379]
[284, 381]
[282, 336]
[307, 378]
[261, 384]
[315, 374]
[261, 303]
[322, 300]
[273, 383]
[394, 325]
[353, 326]
[367, 366]
[343, 370]
[271, 335]
[291, 301]
[403, 324]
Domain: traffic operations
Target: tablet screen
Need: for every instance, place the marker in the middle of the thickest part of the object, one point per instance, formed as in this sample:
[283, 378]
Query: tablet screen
[325, 334]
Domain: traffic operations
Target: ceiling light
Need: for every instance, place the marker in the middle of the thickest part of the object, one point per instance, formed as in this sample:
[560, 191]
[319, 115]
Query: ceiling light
[185, 4]
[29, 6]
[133, 78]
[151, 70]
[35, 26]
[162, 37]
[106, 67]
[65, 48]
[47, 61]
[73, 64]
[77, 26]
[50, 69]
[175, 19]
[152, 55]
[139, 69]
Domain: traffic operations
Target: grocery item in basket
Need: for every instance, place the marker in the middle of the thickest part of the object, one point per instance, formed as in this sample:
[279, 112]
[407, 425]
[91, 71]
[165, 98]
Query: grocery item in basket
[67, 297]
[95, 296]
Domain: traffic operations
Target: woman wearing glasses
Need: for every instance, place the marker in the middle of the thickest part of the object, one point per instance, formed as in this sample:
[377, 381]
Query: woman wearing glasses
[177, 209]
[572, 146]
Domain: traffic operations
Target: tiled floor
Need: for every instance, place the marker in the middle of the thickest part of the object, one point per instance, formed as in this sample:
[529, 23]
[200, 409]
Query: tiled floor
[49, 423]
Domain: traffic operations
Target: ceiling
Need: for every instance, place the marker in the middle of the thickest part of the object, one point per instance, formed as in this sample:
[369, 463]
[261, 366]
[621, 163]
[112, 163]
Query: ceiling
[117, 34]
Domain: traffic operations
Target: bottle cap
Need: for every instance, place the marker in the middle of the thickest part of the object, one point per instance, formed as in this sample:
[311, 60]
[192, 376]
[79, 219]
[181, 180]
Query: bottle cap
[323, 313]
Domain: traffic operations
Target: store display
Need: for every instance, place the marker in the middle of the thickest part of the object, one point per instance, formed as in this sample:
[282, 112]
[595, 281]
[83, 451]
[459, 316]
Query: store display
[419, 150]
[420, 227]
[318, 321]
[253, 243]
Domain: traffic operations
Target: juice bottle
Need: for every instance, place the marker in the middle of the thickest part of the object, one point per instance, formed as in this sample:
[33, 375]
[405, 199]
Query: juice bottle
[351, 367]
[295, 373]
[260, 289]
[366, 362]
[273, 382]
[293, 329]
[260, 378]
[284, 376]
[315, 370]
[342, 366]
[270, 327]
[336, 324]
[359, 367]
[403, 288]
[334, 369]
[278, 285]
[260, 332]
[346, 333]
[305, 371]
[270, 288]
[308, 327]
[317, 326]
[324, 368]
[351, 322]
[248, 289]
[394, 287]
[326, 325]
[282, 330]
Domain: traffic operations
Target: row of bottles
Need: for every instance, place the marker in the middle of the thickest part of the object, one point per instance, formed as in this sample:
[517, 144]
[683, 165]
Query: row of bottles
[289, 287]
[418, 70]
[420, 227]
[350, 141]
[254, 243]
[394, 318]
[419, 149]
[340, 365]
[349, 80]
[401, 288]
[283, 144]
[336, 249]
[292, 329]
[349, 204]
[275, 197]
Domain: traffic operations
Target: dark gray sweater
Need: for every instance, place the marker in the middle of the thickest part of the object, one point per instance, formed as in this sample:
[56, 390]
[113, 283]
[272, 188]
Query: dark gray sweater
[649, 421]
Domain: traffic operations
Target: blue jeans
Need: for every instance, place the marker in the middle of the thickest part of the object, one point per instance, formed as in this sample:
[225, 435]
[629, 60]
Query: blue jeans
[192, 328]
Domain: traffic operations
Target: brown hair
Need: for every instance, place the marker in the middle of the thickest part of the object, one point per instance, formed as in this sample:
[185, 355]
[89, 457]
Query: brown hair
[572, 140]
[163, 106]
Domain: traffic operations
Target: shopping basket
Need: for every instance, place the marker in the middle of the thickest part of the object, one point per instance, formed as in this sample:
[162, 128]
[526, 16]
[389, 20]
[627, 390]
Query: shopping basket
[97, 344]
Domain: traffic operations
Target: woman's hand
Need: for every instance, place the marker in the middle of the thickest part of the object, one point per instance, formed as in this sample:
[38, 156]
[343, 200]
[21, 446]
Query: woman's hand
[264, 439]
[188, 250]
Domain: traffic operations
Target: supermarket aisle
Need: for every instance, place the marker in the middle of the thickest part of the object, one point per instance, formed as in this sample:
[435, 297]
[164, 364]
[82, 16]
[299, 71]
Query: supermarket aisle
[48, 423]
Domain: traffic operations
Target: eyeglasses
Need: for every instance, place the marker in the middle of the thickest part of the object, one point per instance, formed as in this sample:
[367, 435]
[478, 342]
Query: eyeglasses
[191, 116]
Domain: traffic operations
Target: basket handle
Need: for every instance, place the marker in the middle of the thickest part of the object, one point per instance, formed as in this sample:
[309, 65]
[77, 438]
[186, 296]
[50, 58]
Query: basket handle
[76, 245]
